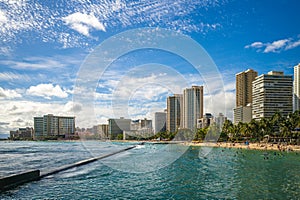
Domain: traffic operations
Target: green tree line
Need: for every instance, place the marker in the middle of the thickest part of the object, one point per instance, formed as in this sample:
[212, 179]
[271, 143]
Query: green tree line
[277, 126]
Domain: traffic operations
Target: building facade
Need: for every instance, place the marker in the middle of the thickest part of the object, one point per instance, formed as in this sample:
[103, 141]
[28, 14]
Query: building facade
[220, 120]
[174, 112]
[192, 106]
[22, 134]
[50, 126]
[102, 131]
[38, 127]
[296, 93]
[242, 114]
[243, 96]
[244, 87]
[160, 119]
[205, 121]
[272, 92]
[117, 126]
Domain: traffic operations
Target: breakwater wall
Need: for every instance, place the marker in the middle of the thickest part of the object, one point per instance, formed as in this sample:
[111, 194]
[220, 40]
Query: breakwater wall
[15, 180]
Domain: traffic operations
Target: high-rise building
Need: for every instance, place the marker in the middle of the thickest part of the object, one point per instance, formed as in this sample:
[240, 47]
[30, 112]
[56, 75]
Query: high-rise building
[192, 106]
[174, 112]
[38, 127]
[243, 96]
[244, 87]
[220, 120]
[160, 122]
[272, 93]
[117, 126]
[54, 126]
[296, 95]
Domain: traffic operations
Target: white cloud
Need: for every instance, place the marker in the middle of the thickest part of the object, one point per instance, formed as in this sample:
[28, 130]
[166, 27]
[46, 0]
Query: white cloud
[46, 21]
[293, 45]
[3, 18]
[82, 23]
[72, 107]
[47, 91]
[9, 94]
[275, 46]
[34, 63]
[10, 76]
[20, 113]
[255, 45]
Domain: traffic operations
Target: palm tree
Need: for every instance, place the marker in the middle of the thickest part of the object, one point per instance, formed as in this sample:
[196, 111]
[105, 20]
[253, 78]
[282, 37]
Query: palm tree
[294, 119]
[275, 122]
[227, 128]
[237, 131]
[264, 127]
[255, 129]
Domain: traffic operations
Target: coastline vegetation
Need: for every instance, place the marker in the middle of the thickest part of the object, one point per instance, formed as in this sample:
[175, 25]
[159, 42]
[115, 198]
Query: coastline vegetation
[274, 129]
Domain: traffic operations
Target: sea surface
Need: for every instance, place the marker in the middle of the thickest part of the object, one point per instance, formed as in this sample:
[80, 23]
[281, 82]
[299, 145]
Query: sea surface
[150, 171]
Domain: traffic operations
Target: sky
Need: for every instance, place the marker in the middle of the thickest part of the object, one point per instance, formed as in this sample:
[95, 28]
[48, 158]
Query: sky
[46, 46]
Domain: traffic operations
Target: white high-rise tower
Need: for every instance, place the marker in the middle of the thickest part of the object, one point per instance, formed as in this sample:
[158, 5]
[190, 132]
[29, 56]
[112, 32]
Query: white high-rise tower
[192, 106]
[296, 93]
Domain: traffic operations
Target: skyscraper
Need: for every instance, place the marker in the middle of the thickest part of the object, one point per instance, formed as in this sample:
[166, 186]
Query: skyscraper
[243, 101]
[192, 106]
[244, 87]
[296, 95]
[118, 126]
[272, 93]
[38, 127]
[160, 122]
[174, 112]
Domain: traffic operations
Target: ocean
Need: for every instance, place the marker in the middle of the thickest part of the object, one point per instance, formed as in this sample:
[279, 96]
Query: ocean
[150, 171]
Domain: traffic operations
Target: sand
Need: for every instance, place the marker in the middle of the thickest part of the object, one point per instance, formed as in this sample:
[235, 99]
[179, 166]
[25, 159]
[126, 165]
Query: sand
[256, 146]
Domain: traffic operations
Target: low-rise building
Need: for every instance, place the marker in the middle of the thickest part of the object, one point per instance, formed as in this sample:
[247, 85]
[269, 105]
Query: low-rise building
[205, 121]
[22, 134]
[242, 114]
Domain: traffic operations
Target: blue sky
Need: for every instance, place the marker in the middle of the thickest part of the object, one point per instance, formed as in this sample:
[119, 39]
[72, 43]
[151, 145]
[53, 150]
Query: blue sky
[44, 45]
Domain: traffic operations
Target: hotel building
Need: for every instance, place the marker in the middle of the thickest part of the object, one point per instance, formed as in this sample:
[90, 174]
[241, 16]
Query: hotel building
[242, 114]
[242, 111]
[54, 126]
[296, 95]
[117, 126]
[160, 122]
[272, 93]
[174, 112]
[192, 106]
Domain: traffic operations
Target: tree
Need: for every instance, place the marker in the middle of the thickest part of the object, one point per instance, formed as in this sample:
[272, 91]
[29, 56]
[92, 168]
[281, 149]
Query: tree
[255, 129]
[275, 122]
[227, 128]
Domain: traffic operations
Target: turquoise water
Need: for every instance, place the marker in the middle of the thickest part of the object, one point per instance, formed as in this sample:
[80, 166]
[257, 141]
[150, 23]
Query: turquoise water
[221, 174]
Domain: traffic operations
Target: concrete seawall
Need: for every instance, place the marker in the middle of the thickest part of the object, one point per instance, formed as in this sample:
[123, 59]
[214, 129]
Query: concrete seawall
[83, 162]
[15, 180]
[18, 179]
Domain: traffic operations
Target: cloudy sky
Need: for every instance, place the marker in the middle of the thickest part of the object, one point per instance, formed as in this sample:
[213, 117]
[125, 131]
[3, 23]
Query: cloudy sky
[46, 44]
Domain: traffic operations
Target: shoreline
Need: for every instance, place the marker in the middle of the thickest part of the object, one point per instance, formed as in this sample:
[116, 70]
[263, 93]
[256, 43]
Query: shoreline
[250, 146]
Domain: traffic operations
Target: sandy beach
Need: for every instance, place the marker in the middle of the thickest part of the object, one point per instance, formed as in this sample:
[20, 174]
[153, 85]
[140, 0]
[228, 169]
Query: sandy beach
[256, 146]
[250, 146]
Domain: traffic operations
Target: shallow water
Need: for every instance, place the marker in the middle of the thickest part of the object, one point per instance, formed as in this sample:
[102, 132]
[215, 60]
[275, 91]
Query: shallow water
[148, 172]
